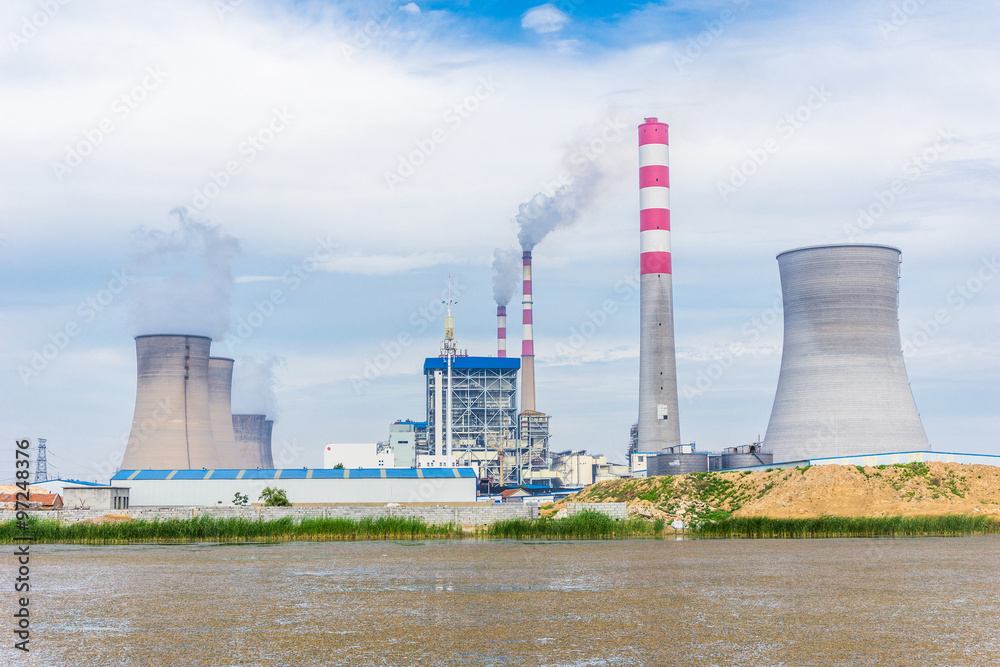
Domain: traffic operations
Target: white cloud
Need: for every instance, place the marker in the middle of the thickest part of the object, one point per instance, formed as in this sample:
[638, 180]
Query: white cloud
[544, 19]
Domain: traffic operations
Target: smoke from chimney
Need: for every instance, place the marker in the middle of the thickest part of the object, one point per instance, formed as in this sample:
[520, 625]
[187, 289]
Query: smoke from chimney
[183, 278]
[506, 274]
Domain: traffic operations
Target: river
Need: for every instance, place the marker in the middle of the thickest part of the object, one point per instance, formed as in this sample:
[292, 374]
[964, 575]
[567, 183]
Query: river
[915, 601]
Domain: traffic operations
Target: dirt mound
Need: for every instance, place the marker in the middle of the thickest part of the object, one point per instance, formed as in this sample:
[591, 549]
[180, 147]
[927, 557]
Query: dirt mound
[913, 489]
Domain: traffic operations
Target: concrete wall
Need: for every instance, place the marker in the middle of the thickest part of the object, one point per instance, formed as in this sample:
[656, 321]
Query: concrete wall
[473, 515]
[613, 510]
[95, 497]
[160, 492]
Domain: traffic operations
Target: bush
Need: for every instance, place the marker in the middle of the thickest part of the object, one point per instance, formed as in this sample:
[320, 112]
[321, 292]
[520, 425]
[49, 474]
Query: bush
[274, 497]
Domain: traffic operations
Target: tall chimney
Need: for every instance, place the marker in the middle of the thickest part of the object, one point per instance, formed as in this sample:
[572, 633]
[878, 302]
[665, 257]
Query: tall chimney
[501, 331]
[527, 342]
[220, 407]
[658, 425]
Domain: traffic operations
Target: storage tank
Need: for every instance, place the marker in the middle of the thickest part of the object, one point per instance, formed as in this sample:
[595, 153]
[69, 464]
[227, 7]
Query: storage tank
[842, 389]
[220, 405]
[171, 425]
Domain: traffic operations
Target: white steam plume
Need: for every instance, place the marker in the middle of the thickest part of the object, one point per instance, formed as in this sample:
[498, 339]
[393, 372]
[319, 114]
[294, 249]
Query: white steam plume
[506, 274]
[183, 279]
[581, 182]
[253, 386]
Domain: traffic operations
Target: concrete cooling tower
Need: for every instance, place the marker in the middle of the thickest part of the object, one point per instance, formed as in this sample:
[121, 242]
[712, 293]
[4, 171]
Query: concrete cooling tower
[220, 402]
[842, 389]
[253, 440]
[172, 425]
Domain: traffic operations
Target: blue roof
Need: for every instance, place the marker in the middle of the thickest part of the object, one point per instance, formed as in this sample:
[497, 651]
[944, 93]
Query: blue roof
[434, 363]
[294, 473]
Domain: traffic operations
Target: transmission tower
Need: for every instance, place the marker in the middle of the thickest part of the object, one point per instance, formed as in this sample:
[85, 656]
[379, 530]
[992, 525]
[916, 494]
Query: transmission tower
[41, 465]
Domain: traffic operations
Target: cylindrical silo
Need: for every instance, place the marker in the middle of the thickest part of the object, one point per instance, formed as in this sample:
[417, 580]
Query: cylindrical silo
[249, 432]
[842, 389]
[220, 405]
[172, 425]
[659, 428]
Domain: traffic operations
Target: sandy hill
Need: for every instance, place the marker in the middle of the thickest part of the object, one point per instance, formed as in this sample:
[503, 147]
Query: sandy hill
[829, 490]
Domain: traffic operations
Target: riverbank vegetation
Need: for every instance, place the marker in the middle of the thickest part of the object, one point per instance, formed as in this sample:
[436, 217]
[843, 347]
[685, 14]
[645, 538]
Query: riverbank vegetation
[835, 526]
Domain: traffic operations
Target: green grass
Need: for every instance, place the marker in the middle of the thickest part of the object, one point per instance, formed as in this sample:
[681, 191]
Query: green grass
[209, 529]
[583, 525]
[895, 526]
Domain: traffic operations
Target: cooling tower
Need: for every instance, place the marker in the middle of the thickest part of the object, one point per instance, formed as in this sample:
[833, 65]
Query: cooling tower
[220, 402]
[253, 440]
[843, 388]
[171, 426]
[527, 341]
[658, 425]
[501, 331]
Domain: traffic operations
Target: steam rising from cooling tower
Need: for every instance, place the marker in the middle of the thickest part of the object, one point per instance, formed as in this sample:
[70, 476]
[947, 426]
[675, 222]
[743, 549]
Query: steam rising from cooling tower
[842, 389]
[183, 278]
[253, 386]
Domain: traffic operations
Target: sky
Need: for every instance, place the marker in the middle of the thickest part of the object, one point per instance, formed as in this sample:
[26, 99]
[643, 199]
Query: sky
[301, 180]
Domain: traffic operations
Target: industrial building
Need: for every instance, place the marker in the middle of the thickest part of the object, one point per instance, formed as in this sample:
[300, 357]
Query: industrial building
[842, 389]
[301, 485]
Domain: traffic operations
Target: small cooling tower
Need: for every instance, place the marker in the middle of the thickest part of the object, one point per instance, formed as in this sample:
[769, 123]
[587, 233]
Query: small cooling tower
[843, 388]
[253, 440]
[171, 426]
[220, 402]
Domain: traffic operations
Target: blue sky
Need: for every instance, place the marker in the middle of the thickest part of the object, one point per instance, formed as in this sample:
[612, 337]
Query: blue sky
[401, 138]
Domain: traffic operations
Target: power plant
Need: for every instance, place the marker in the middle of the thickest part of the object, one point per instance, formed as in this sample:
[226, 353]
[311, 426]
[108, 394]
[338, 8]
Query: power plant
[842, 389]
[659, 428]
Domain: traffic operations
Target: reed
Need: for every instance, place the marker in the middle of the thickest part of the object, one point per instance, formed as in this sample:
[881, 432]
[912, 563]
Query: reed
[834, 526]
[210, 529]
[585, 525]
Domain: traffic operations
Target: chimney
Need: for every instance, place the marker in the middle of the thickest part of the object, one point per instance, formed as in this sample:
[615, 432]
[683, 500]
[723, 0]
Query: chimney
[501, 331]
[527, 342]
[658, 425]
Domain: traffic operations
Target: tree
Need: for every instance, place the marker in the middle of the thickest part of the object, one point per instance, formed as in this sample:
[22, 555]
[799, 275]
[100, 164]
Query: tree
[240, 499]
[274, 497]
[339, 466]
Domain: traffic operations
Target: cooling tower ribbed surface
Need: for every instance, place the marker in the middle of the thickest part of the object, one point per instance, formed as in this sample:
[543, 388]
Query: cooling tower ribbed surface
[171, 426]
[220, 402]
[265, 445]
[843, 388]
[250, 433]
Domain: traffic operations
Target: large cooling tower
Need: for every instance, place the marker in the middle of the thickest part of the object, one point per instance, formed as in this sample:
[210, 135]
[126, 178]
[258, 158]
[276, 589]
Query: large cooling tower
[171, 426]
[253, 440]
[658, 425]
[842, 389]
[220, 402]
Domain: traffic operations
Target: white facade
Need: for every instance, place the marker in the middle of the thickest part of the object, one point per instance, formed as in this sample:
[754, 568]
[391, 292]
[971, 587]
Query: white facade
[176, 488]
[357, 455]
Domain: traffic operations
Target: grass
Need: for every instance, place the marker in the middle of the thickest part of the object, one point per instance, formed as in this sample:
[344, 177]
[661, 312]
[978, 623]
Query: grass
[210, 529]
[894, 526]
[583, 525]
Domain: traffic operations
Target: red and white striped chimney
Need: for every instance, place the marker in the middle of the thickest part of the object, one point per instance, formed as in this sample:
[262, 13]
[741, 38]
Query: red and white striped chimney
[527, 341]
[658, 425]
[501, 331]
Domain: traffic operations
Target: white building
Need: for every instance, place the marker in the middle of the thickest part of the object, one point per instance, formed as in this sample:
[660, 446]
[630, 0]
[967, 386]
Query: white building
[358, 455]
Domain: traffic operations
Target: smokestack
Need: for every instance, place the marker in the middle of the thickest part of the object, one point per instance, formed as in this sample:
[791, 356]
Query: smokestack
[172, 424]
[501, 331]
[220, 406]
[658, 425]
[527, 342]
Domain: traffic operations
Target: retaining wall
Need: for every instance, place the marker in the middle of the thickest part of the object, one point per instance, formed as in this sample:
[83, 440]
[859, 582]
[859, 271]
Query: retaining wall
[478, 515]
[613, 510]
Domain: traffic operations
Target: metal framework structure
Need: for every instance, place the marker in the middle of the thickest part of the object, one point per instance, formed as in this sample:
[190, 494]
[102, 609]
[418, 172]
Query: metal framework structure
[41, 462]
[483, 410]
[533, 449]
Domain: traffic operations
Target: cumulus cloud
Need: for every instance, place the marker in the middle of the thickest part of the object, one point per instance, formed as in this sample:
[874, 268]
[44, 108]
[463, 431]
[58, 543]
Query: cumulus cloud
[544, 19]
